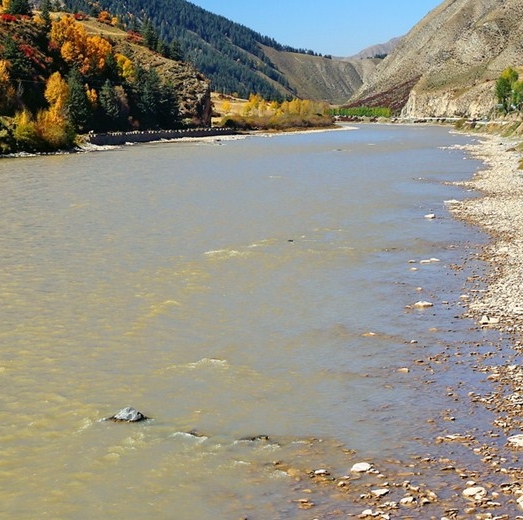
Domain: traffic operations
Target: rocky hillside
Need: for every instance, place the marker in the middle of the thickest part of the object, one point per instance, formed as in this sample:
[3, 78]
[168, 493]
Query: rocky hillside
[320, 78]
[448, 63]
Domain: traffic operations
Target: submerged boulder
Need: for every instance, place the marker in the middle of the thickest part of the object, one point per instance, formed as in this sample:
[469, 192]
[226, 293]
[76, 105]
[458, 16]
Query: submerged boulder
[128, 414]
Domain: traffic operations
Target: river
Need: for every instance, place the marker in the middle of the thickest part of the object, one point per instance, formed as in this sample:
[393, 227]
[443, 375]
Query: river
[237, 289]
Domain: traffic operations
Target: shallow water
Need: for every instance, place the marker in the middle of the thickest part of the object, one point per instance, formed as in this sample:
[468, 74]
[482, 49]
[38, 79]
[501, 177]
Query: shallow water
[238, 288]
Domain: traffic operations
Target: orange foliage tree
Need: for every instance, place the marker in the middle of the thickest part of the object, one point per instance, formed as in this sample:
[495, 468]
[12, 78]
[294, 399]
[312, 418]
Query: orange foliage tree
[7, 91]
[76, 46]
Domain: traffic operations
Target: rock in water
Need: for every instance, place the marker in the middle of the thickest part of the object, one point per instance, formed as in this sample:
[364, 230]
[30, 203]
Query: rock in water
[128, 414]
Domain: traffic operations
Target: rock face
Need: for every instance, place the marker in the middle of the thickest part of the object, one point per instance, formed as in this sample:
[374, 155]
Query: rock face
[450, 60]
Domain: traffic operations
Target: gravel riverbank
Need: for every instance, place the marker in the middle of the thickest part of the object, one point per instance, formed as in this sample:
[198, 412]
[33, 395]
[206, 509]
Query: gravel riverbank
[472, 467]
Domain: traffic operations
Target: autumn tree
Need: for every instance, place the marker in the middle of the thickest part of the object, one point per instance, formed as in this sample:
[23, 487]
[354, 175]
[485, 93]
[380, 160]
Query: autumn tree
[53, 131]
[105, 17]
[57, 92]
[125, 66]
[25, 131]
[7, 91]
[226, 106]
[77, 47]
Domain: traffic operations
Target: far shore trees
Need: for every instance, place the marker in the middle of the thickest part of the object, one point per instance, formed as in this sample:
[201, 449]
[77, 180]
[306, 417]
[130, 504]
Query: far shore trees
[509, 90]
[259, 114]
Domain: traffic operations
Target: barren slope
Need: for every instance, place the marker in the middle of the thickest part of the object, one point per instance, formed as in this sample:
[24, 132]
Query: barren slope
[452, 58]
[315, 77]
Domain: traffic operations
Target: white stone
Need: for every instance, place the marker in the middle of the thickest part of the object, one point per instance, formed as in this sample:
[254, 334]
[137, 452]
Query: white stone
[430, 216]
[488, 320]
[475, 493]
[361, 467]
[516, 440]
[380, 492]
[422, 304]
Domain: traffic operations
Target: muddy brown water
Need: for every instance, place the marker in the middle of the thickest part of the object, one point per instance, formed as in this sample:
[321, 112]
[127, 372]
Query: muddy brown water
[236, 288]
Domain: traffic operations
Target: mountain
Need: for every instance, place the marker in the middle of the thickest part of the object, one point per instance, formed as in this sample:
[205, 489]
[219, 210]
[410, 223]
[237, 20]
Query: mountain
[320, 78]
[448, 63]
[236, 59]
[380, 49]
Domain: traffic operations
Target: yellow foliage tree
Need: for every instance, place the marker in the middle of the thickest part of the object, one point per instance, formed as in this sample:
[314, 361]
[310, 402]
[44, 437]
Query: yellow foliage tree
[53, 129]
[226, 106]
[57, 92]
[92, 96]
[25, 130]
[125, 67]
[78, 47]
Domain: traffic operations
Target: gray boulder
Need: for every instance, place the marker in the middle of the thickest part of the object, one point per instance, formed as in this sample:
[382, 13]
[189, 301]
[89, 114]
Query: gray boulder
[128, 414]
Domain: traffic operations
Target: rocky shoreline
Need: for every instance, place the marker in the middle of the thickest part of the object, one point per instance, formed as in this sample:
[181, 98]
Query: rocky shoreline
[499, 211]
[472, 467]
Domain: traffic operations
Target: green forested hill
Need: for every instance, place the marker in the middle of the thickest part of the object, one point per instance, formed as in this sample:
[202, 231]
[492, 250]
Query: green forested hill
[228, 53]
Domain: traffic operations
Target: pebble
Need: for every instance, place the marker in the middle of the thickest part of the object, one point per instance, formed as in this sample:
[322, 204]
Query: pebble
[475, 493]
[361, 467]
[422, 304]
[516, 440]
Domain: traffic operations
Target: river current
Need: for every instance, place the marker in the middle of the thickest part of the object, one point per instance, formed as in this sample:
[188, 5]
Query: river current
[252, 296]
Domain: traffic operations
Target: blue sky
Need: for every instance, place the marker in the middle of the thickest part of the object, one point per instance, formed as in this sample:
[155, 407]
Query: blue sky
[337, 27]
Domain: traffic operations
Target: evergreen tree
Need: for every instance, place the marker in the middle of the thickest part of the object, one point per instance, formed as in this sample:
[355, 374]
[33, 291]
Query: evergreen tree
[19, 7]
[45, 8]
[109, 106]
[145, 96]
[78, 109]
[168, 107]
[174, 52]
[150, 36]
